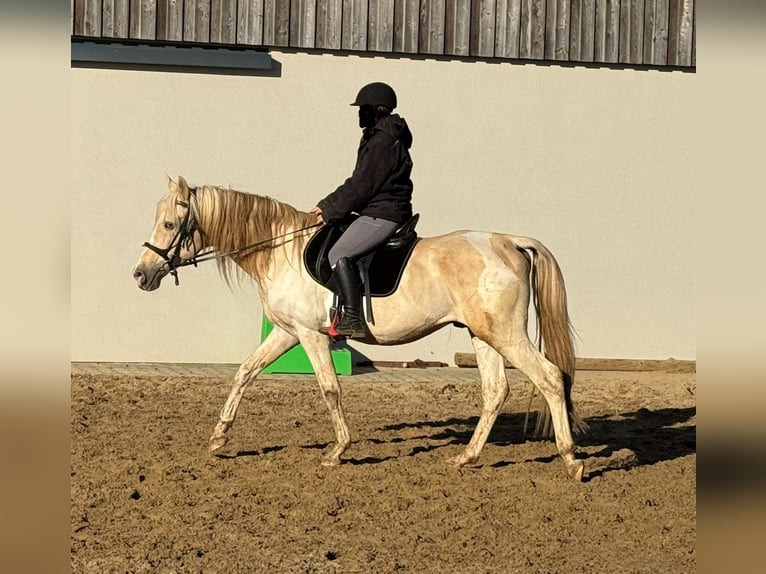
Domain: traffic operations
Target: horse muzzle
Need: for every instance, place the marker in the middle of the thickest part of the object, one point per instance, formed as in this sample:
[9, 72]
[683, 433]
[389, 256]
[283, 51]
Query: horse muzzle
[149, 280]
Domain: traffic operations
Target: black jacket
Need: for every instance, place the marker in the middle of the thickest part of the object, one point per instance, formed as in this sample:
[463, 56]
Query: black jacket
[380, 185]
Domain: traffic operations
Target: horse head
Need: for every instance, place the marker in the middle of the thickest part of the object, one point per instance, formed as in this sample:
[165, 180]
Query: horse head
[176, 238]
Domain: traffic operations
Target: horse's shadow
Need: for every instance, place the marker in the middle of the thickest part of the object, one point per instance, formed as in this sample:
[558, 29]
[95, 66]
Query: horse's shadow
[649, 436]
[248, 453]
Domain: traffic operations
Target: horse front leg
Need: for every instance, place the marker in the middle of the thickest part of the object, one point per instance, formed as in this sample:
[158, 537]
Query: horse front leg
[317, 348]
[277, 342]
[494, 391]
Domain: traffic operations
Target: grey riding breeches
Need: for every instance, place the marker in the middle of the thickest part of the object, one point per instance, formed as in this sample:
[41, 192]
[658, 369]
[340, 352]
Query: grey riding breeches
[361, 237]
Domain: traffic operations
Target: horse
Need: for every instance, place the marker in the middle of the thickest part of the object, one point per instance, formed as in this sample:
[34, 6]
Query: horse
[478, 280]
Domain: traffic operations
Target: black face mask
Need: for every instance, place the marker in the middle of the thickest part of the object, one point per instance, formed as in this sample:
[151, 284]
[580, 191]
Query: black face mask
[366, 116]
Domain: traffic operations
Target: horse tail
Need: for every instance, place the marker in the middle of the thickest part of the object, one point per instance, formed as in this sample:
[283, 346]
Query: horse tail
[554, 329]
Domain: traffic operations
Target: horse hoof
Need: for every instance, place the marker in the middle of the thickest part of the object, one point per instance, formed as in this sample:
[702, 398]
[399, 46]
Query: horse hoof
[576, 470]
[217, 442]
[459, 461]
[329, 461]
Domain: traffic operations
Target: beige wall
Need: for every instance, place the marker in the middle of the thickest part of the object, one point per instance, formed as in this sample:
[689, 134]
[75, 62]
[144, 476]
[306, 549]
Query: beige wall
[596, 163]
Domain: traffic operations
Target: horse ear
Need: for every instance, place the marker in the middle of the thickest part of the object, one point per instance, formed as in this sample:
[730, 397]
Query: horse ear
[183, 188]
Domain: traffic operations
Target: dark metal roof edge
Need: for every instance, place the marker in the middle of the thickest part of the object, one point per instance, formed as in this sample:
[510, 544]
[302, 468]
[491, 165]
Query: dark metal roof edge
[111, 53]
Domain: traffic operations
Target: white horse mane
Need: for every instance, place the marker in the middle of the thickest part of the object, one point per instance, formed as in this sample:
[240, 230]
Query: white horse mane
[232, 219]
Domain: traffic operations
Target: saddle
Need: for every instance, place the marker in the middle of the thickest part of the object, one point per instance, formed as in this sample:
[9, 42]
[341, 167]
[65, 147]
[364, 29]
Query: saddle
[380, 270]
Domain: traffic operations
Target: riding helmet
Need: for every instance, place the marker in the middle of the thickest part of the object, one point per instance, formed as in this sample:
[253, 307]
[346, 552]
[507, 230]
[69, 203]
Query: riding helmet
[376, 94]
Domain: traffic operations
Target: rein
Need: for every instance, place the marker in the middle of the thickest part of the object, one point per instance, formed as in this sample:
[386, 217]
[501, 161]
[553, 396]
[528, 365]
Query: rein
[211, 255]
[185, 236]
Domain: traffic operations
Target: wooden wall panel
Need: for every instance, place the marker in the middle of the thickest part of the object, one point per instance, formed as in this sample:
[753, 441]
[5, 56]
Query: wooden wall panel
[170, 20]
[694, 35]
[78, 17]
[250, 22]
[432, 22]
[582, 30]
[114, 22]
[457, 27]
[607, 38]
[406, 24]
[276, 22]
[197, 20]
[557, 30]
[86, 17]
[329, 21]
[680, 20]
[223, 21]
[656, 32]
[532, 42]
[381, 26]
[508, 28]
[483, 22]
[143, 19]
[631, 32]
[302, 23]
[354, 32]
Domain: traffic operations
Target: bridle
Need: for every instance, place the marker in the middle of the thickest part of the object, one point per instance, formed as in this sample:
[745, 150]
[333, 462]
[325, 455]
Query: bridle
[184, 237]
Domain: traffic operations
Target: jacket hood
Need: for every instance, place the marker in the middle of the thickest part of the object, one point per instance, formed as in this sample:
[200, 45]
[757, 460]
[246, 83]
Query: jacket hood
[397, 127]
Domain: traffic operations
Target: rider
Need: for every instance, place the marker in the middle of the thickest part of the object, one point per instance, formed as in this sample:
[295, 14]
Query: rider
[379, 190]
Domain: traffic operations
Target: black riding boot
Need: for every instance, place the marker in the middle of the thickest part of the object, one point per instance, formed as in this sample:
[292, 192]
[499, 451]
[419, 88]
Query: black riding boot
[349, 287]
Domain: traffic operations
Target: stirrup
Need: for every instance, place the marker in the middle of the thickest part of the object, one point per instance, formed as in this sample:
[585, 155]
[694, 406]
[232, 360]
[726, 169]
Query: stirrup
[350, 325]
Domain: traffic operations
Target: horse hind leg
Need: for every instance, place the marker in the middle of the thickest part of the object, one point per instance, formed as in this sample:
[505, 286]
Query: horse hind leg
[270, 349]
[548, 378]
[494, 391]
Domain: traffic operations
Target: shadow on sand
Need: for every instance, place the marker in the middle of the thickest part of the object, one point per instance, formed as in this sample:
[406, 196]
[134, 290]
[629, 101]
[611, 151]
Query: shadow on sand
[650, 436]
[623, 441]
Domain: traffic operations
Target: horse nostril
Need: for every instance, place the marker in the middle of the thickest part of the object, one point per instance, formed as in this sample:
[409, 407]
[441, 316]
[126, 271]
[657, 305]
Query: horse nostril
[139, 276]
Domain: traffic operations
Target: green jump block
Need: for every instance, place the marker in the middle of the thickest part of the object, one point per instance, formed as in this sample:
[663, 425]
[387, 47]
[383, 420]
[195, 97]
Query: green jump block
[296, 361]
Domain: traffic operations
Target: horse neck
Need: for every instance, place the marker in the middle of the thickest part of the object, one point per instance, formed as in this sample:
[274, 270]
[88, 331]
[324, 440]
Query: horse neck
[231, 220]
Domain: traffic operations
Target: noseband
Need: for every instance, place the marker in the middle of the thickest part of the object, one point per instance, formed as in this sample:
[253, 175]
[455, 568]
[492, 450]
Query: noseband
[184, 237]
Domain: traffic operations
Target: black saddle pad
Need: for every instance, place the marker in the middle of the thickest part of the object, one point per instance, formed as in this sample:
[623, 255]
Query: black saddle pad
[384, 266]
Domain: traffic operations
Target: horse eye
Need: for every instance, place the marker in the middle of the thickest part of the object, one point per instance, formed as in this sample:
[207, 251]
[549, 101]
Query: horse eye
[169, 225]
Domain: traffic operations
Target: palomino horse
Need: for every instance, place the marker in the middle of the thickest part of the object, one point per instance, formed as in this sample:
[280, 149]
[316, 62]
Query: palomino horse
[482, 281]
